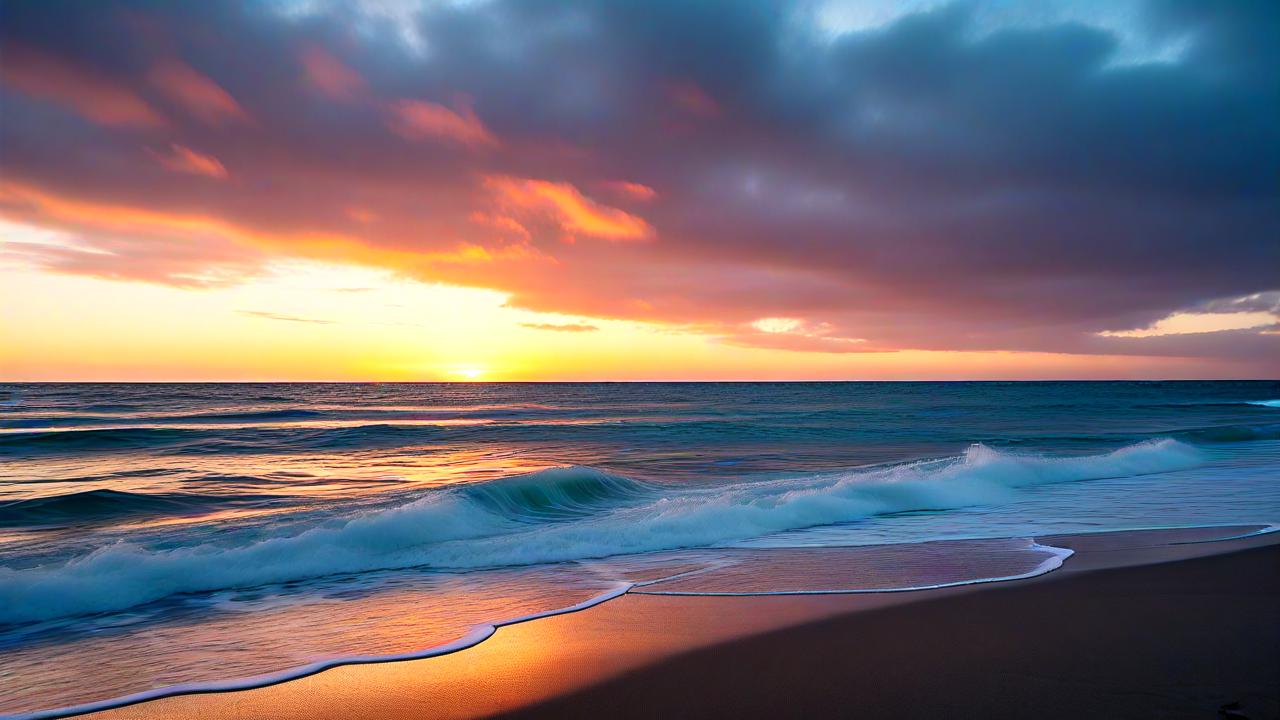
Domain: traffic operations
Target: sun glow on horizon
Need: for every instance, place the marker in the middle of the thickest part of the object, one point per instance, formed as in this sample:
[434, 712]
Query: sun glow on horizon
[308, 321]
[470, 374]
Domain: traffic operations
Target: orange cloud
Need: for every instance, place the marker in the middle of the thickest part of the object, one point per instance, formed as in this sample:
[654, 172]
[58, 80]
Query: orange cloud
[419, 120]
[631, 190]
[95, 98]
[230, 244]
[183, 159]
[330, 76]
[502, 222]
[198, 94]
[361, 215]
[569, 208]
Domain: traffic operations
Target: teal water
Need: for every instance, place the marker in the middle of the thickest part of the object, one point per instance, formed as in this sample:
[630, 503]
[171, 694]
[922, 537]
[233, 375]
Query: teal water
[160, 534]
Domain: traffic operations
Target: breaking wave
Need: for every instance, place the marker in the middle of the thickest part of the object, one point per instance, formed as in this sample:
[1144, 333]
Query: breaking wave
[555, 515]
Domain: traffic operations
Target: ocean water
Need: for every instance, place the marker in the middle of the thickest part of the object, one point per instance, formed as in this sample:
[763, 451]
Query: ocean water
[152, 535]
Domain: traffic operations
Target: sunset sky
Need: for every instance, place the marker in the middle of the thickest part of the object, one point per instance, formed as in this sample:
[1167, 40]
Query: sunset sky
[666, 189]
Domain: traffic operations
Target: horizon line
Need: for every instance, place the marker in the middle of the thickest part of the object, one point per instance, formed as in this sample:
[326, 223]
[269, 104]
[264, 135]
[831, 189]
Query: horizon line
[620, 381]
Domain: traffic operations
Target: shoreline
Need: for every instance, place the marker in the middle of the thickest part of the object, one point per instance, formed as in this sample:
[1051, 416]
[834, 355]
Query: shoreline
[774, 612]
[1183, 637]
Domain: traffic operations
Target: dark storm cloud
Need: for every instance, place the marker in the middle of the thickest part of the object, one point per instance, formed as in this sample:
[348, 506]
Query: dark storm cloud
[924, 184]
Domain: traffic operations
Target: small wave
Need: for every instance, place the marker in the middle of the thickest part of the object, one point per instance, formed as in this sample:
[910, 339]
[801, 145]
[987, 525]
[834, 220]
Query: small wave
[103, 504]
[1265, 403]
[556, 493]
[1232, 433]
[203, 441]
[110, 408]
[553, 516]
[68, 441]
[252, 416]
[117, 420]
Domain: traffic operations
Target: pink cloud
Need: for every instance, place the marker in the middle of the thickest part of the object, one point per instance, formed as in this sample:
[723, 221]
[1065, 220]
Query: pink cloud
[94, 98]
[328, 75]
[183, 159]
[420, 120]
[196, 93]
[630, 190]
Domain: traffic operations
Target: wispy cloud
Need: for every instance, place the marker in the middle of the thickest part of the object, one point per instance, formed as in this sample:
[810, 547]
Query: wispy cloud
[561, 327]
[419, 120]
[287, 318]
[574, 212]
[182, 159]
[196, 93]
[95, 97]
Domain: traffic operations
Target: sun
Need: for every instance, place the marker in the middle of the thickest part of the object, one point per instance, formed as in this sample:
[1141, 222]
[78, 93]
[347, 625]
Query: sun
[469, 372]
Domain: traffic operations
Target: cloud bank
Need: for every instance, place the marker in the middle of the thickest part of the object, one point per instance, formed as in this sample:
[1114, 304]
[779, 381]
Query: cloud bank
[938, 178]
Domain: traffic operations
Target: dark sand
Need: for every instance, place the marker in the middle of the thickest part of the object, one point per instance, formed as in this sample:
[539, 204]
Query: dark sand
[1110, 635]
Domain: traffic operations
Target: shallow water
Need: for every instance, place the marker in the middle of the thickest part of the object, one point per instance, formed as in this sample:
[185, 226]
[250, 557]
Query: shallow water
[158, 534]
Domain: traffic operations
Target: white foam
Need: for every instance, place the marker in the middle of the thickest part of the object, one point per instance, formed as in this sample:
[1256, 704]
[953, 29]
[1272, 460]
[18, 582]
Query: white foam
[475, 636]
[603, 515]
[1056, 557]
[480, 633]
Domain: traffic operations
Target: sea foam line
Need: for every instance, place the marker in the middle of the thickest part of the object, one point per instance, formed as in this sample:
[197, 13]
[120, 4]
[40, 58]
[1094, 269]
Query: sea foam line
[476, 635]
[479, 633]
[1056, 557]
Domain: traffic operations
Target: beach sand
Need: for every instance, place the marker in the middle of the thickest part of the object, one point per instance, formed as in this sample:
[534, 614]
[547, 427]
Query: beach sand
[1131, 626]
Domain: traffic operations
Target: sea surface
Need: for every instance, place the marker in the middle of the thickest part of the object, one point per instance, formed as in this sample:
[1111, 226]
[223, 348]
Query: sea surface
[156, 534]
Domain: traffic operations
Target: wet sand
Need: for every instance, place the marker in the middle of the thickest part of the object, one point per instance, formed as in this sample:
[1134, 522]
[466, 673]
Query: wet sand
[1130, 626]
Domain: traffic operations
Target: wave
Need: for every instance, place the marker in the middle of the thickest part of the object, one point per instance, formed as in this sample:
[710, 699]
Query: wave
[193, 440]
[116, 420]
[556, 493]
[94, 505]
[1265, 403]
[72, 441]
[251, 416]
[556, 515]
[1232, 433]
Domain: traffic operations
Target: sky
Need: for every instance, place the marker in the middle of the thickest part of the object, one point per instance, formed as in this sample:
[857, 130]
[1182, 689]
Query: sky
[639, 190]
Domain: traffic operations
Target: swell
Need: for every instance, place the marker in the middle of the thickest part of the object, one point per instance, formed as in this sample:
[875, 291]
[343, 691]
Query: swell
[262, 416]
[297, 429]
[132, 415]
[1231, 433]
[552, 516]
[75, 441]
[191, 440]
[97, 505]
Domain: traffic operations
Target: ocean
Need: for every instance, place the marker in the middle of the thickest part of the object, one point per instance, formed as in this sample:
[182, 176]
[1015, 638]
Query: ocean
[153, 535]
